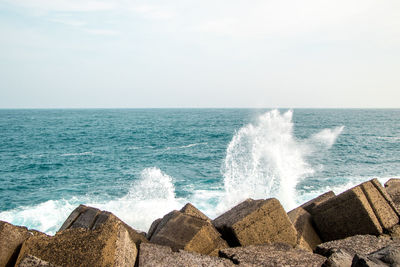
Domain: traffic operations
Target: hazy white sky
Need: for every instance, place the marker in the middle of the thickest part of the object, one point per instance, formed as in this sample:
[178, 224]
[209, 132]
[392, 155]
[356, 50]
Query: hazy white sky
[185, 53]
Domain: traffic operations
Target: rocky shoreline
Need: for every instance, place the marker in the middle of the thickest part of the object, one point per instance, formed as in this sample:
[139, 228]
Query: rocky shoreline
[359, 227]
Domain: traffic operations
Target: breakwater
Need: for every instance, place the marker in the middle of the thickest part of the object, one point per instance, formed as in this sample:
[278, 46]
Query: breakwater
[359, 227]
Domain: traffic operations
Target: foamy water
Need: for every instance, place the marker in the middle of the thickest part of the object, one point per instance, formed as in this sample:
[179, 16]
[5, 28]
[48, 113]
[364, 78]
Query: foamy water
[263, 159]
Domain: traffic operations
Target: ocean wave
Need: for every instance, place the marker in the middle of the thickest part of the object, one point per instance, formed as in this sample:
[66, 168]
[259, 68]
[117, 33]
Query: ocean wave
[150, 197]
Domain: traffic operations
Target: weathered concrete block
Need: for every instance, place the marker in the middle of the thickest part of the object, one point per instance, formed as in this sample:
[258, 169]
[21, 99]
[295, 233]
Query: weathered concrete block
[339, 258]
[157, 255]
[278, 254]
[358, 244]
[191, 210]
[153, 228]
[387, 256]
[188, 209]
[181, 231]
[364, 209]
[11, 239]
[107, 243]
[91, 218]
[256, 222]
[308, 206]
[392, 187]
[32, 261]
[307, 238]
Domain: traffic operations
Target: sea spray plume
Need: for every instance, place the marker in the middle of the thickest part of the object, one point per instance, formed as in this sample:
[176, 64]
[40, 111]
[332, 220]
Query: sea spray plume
[327, 137]
[149, 197]
[264, 160]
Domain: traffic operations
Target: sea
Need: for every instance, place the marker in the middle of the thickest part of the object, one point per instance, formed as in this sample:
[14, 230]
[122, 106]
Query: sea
[143, 163]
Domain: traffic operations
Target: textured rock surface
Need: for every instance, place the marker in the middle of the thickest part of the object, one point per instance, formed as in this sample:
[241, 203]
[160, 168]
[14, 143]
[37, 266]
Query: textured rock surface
[256, 222]
[181, 231]
[364, 261]
[107, 244]
[32, 261]
[307, 238]
[364, 209]
[277, 254]
[392, 186]
[11, 239]
[339, 258]
[389, 254]
[308, 206]
[153, 228]
[191, 210]
[359, 244]
[157, 255]
[395, 232]
[91, 218]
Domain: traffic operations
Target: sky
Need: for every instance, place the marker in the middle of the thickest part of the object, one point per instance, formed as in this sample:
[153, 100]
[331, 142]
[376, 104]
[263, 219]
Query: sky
[200, 54]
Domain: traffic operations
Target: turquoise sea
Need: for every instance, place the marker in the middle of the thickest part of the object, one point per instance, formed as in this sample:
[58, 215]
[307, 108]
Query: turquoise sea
[142, 163]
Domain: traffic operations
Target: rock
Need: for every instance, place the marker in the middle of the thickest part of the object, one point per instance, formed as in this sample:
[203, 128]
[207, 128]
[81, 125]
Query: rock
[364, 209]
[32, 261]
[191, 210]
[106, 242]
[278, 254]
[181, 231]
[308, 206]
[395, 232]
[359, 244]
[256, 222]
[387, 256]
[11, 239]
[339, 258]
[91, 218]
[153, 228]
[364, 261]
[157, 255]
[307, 238]
[392, 187]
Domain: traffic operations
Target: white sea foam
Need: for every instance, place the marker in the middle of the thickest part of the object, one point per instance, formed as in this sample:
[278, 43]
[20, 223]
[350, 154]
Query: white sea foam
[327, 137]
[46, 217]
[264, 159]
[150, 197]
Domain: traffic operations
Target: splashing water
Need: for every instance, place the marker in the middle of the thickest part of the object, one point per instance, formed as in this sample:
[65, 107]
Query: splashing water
[265, 160]
[149, 198]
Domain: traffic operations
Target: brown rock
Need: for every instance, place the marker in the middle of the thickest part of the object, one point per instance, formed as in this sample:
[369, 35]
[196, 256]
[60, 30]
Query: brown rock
[181, 231]
[153, 228]
[308, 206]
[364, 209]
[339, 258]
[191, 210]
[392, 187]
[307, 238]
[277, 254]
[91, 218]
[11, 239]
[389, 255]
[157, 255]
[256, 222]
[395, 232]
[358, 244]
[364, 261]
[32, 261]
[108, 243]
